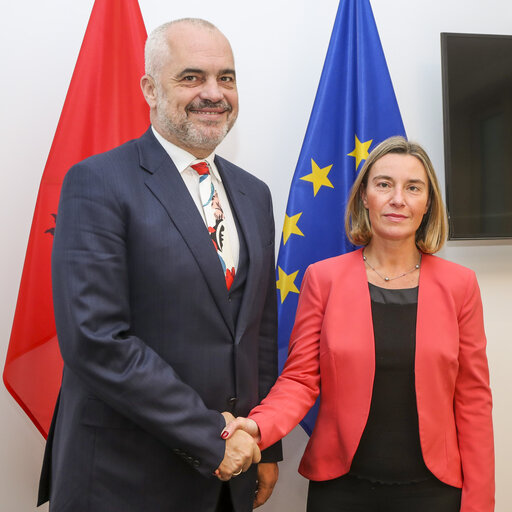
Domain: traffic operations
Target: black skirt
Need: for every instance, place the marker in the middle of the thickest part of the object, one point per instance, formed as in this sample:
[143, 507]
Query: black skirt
[352, 494]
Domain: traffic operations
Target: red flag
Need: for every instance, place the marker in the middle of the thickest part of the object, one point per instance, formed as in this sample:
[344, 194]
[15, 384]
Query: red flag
[104, 107]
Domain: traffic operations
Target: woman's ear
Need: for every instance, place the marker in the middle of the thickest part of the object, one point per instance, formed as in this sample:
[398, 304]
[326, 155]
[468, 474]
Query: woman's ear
[364, 197]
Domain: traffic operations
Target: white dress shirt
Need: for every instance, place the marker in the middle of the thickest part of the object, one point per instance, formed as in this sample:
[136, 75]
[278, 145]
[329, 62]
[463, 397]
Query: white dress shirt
[183, 160]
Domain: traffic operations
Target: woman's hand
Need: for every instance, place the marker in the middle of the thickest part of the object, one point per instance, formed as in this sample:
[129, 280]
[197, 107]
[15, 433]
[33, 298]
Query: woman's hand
[241, 423]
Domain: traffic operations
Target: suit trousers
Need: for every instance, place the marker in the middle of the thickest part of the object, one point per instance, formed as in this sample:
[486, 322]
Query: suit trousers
[352, 494]
[224, 504]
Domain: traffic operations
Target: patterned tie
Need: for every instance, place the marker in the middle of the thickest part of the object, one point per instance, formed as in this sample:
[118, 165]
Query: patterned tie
[215, 220]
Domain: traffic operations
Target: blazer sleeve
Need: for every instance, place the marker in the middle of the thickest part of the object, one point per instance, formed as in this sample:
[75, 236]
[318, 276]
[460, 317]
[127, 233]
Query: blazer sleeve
[92, 312]
[298, 386]
[473, 406]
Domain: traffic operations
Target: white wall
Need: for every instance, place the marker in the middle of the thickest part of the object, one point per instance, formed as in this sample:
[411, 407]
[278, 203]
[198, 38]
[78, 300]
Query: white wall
[279, 49]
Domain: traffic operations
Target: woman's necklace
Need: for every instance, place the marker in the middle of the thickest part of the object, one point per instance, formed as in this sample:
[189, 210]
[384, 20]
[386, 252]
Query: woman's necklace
[387, 278]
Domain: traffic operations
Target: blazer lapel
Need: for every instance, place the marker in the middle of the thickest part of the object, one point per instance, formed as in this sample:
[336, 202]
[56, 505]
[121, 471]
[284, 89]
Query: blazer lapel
[431, 317]
[247, 218]
[166, 184]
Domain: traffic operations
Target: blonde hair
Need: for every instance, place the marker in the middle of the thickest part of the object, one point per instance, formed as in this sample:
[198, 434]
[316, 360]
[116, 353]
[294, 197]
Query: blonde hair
[432, 232]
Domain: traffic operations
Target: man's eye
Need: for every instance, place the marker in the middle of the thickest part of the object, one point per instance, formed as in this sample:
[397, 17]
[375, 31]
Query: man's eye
[227, 79]
[190, 78]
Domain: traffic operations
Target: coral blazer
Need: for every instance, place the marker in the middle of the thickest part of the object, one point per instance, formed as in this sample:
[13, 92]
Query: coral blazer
[332, 349]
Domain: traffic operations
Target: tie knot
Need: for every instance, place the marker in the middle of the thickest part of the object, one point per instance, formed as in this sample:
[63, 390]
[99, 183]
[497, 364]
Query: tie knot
[201, 168]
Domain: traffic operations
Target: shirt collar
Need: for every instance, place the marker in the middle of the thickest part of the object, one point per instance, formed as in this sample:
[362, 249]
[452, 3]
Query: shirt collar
[183, 159]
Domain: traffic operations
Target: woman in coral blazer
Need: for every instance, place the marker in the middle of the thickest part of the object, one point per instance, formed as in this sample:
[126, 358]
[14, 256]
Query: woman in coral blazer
[394, 339]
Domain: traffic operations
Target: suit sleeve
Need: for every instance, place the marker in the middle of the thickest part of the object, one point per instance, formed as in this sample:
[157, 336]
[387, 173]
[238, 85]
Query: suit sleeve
[473, 407]
[267, 348]
[298, 386]
[92, 312]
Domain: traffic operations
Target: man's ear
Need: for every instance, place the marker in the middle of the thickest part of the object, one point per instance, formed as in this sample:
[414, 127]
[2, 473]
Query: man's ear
[148, 86]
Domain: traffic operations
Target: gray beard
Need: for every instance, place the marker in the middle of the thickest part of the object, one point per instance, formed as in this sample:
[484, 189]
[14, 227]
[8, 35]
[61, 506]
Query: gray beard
[189, 134]
[192, 136]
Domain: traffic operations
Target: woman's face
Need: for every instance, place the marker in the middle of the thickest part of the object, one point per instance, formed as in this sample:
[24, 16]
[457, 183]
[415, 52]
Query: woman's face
[396, 196]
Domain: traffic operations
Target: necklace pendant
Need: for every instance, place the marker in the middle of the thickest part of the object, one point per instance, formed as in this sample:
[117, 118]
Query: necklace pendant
[386, 278]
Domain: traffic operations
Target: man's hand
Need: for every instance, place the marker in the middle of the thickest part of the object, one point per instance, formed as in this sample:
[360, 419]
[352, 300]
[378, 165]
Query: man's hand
[241, 452]
[228, 417]
[268, 472]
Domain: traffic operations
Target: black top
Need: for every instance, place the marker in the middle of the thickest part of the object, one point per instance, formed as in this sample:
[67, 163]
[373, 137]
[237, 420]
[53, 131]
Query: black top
[389, 450]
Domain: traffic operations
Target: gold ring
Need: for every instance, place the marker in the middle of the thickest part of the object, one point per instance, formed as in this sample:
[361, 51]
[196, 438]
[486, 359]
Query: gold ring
[236, 474]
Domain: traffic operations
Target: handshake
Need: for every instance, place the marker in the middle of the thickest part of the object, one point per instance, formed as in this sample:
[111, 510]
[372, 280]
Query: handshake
[241, 435]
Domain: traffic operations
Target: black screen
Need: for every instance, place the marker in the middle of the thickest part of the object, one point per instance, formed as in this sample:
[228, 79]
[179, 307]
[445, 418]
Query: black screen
[477, 102]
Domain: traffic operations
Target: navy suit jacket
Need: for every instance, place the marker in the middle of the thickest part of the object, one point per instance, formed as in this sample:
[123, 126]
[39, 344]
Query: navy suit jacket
[150, 345]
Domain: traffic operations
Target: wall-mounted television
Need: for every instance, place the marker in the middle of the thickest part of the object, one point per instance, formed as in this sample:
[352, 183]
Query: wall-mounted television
[477, 106]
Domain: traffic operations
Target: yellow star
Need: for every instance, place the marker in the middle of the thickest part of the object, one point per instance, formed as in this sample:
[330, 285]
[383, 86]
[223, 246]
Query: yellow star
[360, 151]
[290, 227]
[286, 284]
[318, 177]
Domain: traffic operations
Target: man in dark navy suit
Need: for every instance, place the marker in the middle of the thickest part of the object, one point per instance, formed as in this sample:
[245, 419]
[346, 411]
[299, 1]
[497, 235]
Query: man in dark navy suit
[164, 293]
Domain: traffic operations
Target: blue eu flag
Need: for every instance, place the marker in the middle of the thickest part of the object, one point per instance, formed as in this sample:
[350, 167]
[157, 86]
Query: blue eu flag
[355, 109]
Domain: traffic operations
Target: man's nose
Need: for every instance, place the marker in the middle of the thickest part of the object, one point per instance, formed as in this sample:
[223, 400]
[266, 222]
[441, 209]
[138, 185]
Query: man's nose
[211, 90]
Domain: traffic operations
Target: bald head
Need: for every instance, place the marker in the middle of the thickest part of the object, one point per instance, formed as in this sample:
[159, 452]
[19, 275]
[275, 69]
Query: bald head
[190, 84]
[157, 50]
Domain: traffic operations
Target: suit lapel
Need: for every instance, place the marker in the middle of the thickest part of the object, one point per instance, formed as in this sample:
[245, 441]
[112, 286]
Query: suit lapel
[247, 218]
[166, 184]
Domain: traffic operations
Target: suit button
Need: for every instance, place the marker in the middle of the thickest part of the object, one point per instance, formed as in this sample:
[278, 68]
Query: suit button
[196, 463]
[232, 401]
[229, 299]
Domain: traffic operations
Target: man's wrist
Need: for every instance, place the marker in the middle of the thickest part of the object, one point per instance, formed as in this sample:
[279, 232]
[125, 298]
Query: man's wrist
[227, 416]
